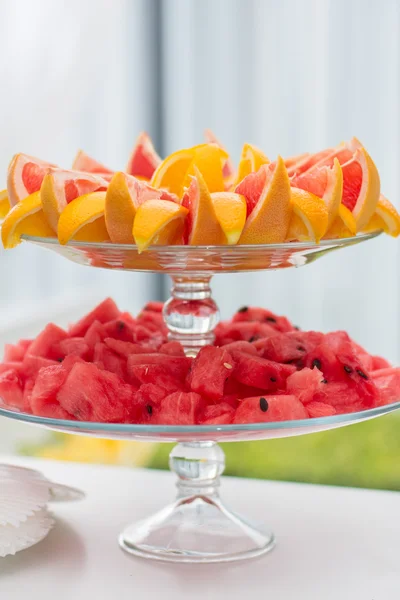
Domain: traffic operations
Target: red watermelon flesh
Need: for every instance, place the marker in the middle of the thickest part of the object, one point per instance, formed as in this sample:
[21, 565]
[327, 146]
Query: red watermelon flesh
[290, 347]
[93, 336]
[262, 315]
[43, 397]
[126, 348]
[74, 345]
[248, 331]
[106, 359]
[31, 365]
[387, 381]
[267, 409]
[158, 374]
[217, 414]
[179, 408]
[16, 352]
[343, 396]
[147, 398]
[320, 409]
[103, 313]
[210, 370]
[154, 307]
[242, 347]
[43, 344]
[172, 348]
[305, 384]
[234, 388]
[119, 330]
[176, 366]
[379, 363]
[12, 388]
[259, 372]
[90, 394]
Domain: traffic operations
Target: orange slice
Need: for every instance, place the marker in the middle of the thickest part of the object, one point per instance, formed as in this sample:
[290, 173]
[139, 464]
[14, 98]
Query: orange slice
[385, 218]
[203, 226]
[343, 226]
[25, 175]
[209, 160]
[83, 219]
[26, 217]
[228, 170]
[60, 187]
[230, 209]
[158, 222]
[143, 160]
[325, 182]
[269, 220]
[4, 204]
[251, 160]
[171, 172]
[309, 218]
[122, 201]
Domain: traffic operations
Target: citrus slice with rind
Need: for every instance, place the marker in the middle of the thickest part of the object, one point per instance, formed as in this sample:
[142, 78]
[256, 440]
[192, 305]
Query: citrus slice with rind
[83, 219]
[171, 172]
[203, 228]
[26, 217]
[230, 209]
[386, 218]
[60, 187]
[251, 159]
[122, 202]
[325, 182]
[4, 204]
[308, 162]
[143, 160]
[84, 162]
[209, 160]
[269, 220]
[25, 175]
[309, 218]
[228, 170]
[158, 222]
[343, 226]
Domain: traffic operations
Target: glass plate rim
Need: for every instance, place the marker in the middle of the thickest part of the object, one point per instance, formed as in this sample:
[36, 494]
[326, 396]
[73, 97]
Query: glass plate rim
[184, 429]
[193, 249]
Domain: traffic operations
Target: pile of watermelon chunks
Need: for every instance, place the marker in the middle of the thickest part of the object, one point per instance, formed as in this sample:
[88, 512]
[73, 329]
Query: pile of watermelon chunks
[111, 367]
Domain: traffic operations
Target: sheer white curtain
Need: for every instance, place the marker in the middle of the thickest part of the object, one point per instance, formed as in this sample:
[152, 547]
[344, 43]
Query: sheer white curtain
[291, 76]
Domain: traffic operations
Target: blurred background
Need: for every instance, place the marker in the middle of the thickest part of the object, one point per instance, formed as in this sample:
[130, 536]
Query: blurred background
[288, 76]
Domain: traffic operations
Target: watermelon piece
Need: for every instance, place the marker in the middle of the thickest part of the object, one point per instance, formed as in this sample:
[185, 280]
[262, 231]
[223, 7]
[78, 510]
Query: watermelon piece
[143, 335]
[211, 369]
[147, 399]
[379, 363]
[172, 348]
[43, 344]
[156, 307]
[242, 346]
[28, 387]
[16, 352]
[290, 348]
[70, 361]
[259, 372]
[119, 330]
[262, 315]
[90, 394]
[74, 345]
[176, 366]
[12, 388]
[320, 409]
[217, 414]
[179, 408]
[31, 365]
[248, 331]
[305, 384]
[43, 397]
[106, 359]
[268, 409]
[93, 336]
[126, 348]
[103, 313]
[154, 321]
[387, 381]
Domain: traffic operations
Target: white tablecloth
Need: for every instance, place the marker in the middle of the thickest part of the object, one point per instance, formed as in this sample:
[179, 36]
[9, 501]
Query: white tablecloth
[332, 543]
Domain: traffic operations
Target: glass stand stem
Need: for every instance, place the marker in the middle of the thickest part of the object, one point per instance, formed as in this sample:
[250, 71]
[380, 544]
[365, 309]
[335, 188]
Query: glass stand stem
[197, 527]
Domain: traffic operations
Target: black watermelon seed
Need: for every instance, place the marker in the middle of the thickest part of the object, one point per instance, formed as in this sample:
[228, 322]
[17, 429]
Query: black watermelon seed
[254, 338]
[149, 409]
[270, 319]
[273, 379]
[296, 327]
[120, 325]
[301, 348]
[324, 381]
[361, 374]
[60, 359]
[316, 363]
[243, 309]
[347, 369]
[263, 404]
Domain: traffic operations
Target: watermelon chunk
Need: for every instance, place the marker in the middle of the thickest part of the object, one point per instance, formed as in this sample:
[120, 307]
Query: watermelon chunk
[154, 307]
[126, 348]
[43, 344]
[12, 388]
[242, 346]
[290, 347]
[106, 359]
[176, 366]
[262, 315]
[147, 399]
[179, 408]
[249, 331]
[379, 363]
[267, 409]
[43, 397]
[259, 372]
[119, 329]
[217, 414]
[211, 369]
[172, 348]
[388, 383]
[31, 365]
[305, 384]
[103, 313]
[16, 352]
[93, 336]
[320, 409]
[73, 345]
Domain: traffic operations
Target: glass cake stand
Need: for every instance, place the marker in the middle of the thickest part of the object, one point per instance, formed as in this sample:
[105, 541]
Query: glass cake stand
[197, 527]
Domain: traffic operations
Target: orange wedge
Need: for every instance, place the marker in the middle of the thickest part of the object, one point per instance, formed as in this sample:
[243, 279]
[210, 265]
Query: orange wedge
[26, 217]
[171, 172]
[4, 204]
[120, 208]
[158, 222]
[204, 228]
[230, 210]
[309, 218]
[228, 170]
[269, 220]
[83, 219]
[343, 226]
[386, 218]
[251, 160]
[209, 160]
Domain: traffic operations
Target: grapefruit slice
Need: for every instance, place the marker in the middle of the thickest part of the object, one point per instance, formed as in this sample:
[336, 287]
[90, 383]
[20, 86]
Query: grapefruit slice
[386, 218]
[158, 222]
[4, 203]
[343, 226]
[84, 162]
[25, 217]
[252, 158]
[291, 161]
[309, 219]
[269, 219]
[25, 175]
[228, 170]
[203, 227]
[230, 209]
[308, 161]
[325, 182]
[171, 172]
[143, 160]
[83, 219]
[60, 187]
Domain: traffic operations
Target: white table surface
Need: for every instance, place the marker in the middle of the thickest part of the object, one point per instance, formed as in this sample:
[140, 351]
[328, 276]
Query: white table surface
[333, 543]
